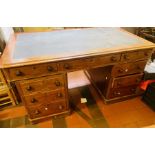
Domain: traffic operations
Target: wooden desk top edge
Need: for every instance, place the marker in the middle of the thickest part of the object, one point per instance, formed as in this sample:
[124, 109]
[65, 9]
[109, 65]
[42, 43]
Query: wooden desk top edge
[6, 61]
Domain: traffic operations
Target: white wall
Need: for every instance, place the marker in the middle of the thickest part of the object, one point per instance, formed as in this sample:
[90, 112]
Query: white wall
[6, 32]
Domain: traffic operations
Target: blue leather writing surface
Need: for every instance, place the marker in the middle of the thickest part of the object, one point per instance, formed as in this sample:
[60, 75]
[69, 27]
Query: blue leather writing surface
[70, 42]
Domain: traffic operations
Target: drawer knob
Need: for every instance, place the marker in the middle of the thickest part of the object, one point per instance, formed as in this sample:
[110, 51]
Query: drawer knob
[117, 93]
[50, 68]
[120, 70]
[66, 66]
[146, 54]
[60, 107]
[33, 100]
[29, 88]
[113, 58]
[18, 73]
[57, 83]
[46, 108]
[59, 95]
[133, 90]
[126, 57]
[138, 67]
[37, 112]
[126, 70]
[119, 83]
[138, 80]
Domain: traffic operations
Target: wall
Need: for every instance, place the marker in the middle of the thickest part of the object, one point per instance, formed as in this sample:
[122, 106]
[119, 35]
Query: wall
[5, 33]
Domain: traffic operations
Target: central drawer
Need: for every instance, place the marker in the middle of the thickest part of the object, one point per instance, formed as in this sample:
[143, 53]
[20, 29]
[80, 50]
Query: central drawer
[85, 63]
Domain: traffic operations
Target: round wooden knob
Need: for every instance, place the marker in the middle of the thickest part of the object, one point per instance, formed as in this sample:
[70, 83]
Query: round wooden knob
[57, 83]
[60, 107]
[126, 57]
[138, 67]
[126, 70]
[138, 80]
[113, 58]
[146, 54]
[120, 71]
[133, 90]
[119, 83]
[66, 66]
[29, 88]
[59, 95]
[117, 93]
[50, 68]
[46, 108]
[37, 112]
[33, 100]
[18, 73]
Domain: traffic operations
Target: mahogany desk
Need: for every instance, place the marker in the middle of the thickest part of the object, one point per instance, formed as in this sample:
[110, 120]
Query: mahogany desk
[35, 66]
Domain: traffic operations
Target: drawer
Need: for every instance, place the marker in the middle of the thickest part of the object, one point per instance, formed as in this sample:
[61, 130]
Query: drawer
[136, 55]
[127, 81]
[42, 84]
[71, 65]
[18, 73]
[44, 97]
[128, 68]
[47, 109]
[120, 92]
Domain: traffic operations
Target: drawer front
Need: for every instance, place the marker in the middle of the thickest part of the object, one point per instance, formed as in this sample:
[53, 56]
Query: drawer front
[47, 109]
[42, 84]
[120, 92]
[88, 62]
[31, 71]
[127, 81]
[44, 98]
[128, 68]
[136, 55]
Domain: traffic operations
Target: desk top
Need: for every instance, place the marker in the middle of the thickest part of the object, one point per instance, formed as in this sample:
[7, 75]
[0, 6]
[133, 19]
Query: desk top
[31, 48]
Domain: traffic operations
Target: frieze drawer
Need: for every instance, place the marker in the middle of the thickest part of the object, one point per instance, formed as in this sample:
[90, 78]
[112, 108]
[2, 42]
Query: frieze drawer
[31, 71]
[91, 62]
[128, 68]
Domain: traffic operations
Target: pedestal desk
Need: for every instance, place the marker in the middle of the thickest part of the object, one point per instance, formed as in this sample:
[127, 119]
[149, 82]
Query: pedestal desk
[35, 66]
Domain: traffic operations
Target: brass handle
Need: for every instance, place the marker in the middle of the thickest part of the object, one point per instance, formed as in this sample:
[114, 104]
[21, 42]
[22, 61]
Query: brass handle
[57, 83]
[29, 88]
[113, 58]
[50, 68]
[60, 107]
[126, 57]
[33, 100]
[66, 66]
[18, 73]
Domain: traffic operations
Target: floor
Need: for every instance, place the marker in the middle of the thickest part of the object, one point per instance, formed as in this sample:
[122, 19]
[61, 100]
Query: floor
[133, 113]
